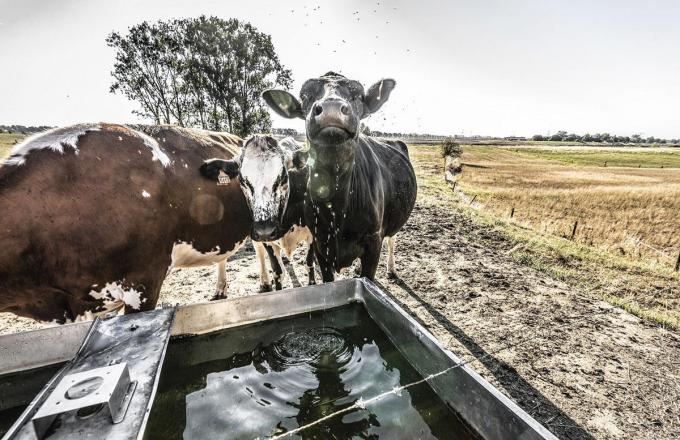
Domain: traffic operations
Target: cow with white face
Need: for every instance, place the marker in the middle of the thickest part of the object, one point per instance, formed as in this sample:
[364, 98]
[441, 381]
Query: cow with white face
[273, 177]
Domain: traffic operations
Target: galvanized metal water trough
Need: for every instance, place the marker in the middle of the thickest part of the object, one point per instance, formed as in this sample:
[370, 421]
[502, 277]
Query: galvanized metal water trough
[139, 341]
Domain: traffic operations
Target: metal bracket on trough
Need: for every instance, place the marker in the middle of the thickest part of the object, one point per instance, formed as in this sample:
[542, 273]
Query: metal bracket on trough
[88, 392]
[107, 389]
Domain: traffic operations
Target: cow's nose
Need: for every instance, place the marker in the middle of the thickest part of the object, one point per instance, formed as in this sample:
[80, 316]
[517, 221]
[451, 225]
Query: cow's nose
[331, 112]
[264, 230]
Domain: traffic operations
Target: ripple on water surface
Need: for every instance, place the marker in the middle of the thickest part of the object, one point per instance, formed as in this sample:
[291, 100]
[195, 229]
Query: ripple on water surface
[266, 379]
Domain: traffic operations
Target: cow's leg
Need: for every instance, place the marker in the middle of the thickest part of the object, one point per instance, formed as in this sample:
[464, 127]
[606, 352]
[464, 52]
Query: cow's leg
[278, 252]
[274, 253]
[310, 264]
[222, 286]
[391, 272]
[261, 253]
[371, 257]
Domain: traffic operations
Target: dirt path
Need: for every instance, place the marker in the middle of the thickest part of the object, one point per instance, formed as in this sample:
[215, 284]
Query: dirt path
[581, 367]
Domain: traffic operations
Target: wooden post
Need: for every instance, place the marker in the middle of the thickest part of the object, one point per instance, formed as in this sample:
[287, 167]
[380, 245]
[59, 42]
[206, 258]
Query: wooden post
[605, 164]
[677, 263]
[512, 212]
[573, 231]
[473, 199]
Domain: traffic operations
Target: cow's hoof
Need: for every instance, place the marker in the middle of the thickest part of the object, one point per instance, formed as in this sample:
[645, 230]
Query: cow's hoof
[278, 286]
[312, 282]
[265, 288]
[285, 259]
[218, 295]
[392, 275]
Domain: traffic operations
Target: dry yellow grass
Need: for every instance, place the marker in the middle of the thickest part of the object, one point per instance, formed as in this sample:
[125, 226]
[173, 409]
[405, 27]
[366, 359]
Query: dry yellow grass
[7, 142]
[631, 211]
[644, 287]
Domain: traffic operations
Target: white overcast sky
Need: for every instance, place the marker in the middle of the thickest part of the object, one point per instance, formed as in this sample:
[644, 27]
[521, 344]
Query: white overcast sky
[479, 66]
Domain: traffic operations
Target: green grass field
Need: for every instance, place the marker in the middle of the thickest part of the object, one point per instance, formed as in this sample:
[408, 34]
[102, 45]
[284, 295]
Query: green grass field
[598, 157]
[7, 141]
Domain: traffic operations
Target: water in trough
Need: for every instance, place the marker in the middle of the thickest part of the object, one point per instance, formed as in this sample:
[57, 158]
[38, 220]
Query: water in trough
[264, 380]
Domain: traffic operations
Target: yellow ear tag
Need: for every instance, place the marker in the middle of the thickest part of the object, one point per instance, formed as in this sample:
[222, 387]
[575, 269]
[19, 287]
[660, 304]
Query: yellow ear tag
[223, 179]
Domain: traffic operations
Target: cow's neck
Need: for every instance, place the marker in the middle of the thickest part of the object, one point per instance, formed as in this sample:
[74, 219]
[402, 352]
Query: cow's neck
[331, 180]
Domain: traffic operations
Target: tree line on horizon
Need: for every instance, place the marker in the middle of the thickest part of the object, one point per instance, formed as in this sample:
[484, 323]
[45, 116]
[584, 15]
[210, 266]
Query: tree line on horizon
[603, 137]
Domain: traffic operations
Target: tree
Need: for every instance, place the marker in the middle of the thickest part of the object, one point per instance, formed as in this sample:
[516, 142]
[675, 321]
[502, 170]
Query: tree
[559, 136]
[204, 72]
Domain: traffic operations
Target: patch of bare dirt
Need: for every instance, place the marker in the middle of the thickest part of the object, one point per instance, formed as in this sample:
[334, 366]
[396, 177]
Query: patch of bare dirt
[581, 367]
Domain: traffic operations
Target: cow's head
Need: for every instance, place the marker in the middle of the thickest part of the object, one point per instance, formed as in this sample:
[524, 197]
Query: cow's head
[332, 106]
[263, 169]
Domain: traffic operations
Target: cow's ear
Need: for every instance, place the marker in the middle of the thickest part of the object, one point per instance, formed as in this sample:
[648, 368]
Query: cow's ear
[210, 169]
[377, 95]
[283, 103]
[300, 159]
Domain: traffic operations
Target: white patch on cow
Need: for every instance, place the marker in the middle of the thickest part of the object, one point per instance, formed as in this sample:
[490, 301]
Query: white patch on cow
[115, 296]
[261, 168]
[156, 152]
[289, 242]
[55, 139]
[120, 138]
[145, 194]
[185, 255]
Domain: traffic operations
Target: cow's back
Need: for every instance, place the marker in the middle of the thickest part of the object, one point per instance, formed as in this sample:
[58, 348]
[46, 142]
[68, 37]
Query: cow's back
[91, 209]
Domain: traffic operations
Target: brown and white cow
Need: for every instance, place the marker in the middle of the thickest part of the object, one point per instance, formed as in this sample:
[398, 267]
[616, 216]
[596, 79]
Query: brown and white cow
[95, 215]
[273, 176]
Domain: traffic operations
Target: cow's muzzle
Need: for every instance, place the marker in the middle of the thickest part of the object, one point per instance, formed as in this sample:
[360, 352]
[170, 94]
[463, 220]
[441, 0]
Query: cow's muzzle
[333, 120]
[265, 230]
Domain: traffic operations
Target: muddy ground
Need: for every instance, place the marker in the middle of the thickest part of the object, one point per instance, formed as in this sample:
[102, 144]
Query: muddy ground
[581, 367]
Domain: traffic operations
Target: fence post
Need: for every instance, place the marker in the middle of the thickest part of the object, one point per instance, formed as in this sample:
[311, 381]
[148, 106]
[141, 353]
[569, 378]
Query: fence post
[512, 212]
[677, 263]
[573, 231]
[473, 199]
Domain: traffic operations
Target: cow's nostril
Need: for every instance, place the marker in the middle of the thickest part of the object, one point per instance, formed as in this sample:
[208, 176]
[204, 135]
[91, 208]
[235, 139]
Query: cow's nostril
[344, 109]
[318, 109]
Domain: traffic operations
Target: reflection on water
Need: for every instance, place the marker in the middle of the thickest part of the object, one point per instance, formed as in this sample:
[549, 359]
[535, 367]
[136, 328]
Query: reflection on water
[266, 379]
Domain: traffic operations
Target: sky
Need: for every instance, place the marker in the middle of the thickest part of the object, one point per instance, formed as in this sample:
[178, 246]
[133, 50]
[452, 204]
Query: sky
[487, 67]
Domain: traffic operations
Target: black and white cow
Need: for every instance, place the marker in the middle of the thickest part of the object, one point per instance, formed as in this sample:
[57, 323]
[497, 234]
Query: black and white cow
[95, 215]
[273, 176]
[360, 189]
